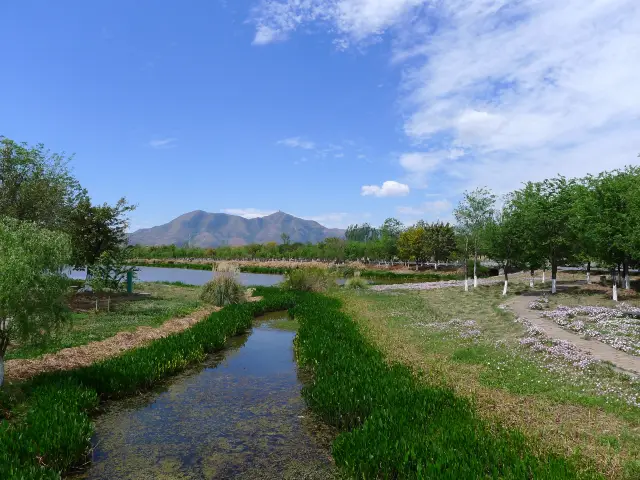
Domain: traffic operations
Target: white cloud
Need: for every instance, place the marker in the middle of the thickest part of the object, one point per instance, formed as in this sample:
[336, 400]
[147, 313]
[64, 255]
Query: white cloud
[390, 188]
[353, 20]
[331, 220]
[435, 210]
[163, 143]
[297, 142]
[248, 212]
[525, 89]
[265, 35]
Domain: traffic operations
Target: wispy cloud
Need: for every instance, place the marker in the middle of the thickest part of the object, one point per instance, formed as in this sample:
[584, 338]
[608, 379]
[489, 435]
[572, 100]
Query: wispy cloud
[390, 188]
[248, 212]
[265, 35]
[331, 220]
[160, 143]
[297, 142]
[430, 211]
[505, 91]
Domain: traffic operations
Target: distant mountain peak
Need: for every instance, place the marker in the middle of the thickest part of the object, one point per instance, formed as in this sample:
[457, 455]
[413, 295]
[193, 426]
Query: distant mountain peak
[205, 229]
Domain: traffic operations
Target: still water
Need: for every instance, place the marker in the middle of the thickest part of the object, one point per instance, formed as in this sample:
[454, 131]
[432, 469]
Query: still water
[192, 277]
[239, 415]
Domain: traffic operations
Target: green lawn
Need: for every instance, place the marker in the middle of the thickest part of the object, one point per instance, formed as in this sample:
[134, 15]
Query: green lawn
[165, 302]
[466, 341]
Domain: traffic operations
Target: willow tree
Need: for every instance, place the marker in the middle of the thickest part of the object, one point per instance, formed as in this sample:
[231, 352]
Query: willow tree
[473, 213]
[31, 283]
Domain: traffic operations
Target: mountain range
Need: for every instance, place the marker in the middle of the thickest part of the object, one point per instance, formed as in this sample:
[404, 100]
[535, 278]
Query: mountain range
[204, 229]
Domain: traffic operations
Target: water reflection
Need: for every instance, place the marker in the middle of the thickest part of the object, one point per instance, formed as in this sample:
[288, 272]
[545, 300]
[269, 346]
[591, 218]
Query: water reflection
[192, 277]
[239, 416]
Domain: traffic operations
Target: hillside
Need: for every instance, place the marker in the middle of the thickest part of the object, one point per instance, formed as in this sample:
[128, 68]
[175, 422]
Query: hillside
[205, 229]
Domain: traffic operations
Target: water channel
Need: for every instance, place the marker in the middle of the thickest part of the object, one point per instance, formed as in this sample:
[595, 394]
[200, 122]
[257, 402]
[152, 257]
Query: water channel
[240, 415]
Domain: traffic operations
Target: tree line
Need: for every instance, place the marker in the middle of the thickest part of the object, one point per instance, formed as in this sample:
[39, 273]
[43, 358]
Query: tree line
[543, 225]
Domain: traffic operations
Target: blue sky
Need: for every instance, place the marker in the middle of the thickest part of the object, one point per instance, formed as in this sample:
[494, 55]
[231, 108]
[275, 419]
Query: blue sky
[310, 106]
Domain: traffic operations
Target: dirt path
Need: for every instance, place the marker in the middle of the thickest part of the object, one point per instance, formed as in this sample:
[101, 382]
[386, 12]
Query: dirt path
[85, 355]
[601, 351]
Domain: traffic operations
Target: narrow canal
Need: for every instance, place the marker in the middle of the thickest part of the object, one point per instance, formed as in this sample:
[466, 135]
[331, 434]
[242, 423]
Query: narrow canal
[238, 415]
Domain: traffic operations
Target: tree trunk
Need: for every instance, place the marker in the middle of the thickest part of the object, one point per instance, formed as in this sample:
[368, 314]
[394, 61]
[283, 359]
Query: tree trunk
[1, 371]
[475, 269]
[588, 273]
[615, 292]
[554, 274]
[506, 281]
[543, 275]
[531, 280]
[619, 277]
[625, 273]
[466, 274]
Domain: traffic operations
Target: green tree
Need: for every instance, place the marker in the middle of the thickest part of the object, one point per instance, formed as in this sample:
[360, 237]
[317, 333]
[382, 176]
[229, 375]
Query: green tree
[505, 242]
[472, 215]
[412, 243]
[440, 242]
[36, 185]
[361, 233]
[31, 281]
[389, 233]
[610, 218]
[544, 210]
[97, 229]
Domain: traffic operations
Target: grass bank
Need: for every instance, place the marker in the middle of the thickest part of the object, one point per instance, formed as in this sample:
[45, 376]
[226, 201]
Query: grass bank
[394, 425]
[469, 344]
[47, 429]
[125, 313]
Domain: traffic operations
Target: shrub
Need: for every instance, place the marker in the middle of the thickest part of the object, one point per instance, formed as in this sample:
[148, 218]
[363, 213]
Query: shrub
[356, 283]
[308, 280]
[223, 290]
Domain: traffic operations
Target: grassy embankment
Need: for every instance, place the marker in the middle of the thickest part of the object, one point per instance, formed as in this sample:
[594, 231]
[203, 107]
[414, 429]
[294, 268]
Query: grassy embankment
[124, 315]
[466, 342]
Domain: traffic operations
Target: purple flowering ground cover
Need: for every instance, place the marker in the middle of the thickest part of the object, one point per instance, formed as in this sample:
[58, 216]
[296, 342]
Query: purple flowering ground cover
[557, 395]
[617, 325]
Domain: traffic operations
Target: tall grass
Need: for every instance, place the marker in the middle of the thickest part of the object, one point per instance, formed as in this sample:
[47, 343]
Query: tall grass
[395, 427]
[225, 288]
[309, 280]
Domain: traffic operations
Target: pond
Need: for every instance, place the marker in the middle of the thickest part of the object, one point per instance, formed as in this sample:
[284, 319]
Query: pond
[192, 277]
[239, 415]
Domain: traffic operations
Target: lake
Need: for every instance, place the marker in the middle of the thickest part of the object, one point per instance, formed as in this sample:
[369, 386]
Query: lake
[191, 277]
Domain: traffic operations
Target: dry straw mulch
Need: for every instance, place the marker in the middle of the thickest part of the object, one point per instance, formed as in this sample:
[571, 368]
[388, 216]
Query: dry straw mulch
[85, 355]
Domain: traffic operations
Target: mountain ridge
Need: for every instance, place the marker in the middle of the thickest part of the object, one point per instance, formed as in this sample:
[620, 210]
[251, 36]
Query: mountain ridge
[205, 229]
